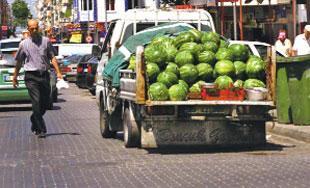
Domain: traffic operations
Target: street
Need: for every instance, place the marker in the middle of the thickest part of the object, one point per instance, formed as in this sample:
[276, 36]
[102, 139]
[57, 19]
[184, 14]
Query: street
[75, 155]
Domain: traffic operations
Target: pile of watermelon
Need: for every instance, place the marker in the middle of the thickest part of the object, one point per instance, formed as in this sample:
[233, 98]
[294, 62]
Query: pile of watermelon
[178, 65]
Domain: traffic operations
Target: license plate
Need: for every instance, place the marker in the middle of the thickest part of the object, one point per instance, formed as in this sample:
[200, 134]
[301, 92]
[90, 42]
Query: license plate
[10, 78]
[85, 70]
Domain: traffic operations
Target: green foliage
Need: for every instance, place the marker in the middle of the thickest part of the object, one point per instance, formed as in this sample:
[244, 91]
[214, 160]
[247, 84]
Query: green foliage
[20, 12]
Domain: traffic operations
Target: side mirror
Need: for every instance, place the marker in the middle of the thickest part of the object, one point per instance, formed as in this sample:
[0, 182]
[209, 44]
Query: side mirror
[96, 51]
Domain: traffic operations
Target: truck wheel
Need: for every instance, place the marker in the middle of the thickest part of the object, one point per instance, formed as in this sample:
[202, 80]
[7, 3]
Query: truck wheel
[131, 130]
[104, 123]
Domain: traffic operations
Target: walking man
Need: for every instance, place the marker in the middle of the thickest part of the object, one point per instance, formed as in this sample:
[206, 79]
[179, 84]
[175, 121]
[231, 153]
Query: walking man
[36, 52]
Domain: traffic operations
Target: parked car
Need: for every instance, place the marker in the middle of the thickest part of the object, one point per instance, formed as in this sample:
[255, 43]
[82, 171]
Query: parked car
[8, 49]
[92, 65]
[68, 67]
[82, 69]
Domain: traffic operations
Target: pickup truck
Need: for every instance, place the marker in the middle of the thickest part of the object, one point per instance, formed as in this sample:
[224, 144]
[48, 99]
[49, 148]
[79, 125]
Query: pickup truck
[152, 124]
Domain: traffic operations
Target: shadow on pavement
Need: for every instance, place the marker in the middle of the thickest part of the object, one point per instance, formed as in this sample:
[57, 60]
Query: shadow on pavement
[212, 149]
[60, 101]
[55, 108]
[58, 134]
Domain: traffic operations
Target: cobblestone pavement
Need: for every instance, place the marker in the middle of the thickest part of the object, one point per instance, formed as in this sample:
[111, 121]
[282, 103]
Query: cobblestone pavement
[74, 155]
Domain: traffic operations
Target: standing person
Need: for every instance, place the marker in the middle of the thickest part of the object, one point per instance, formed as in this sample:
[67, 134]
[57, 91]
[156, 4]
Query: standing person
[36, 52]
[302, 43]
[283, 44]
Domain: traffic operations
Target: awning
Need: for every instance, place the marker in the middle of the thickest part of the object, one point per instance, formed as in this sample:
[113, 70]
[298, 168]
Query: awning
[256, 3]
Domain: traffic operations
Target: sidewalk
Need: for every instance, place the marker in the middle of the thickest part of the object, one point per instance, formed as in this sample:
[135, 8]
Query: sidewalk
[301, 133]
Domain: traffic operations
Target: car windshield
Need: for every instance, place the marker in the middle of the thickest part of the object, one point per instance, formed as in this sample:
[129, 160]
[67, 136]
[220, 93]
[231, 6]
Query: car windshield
[6, 45]
[73, 59]
[8, 58]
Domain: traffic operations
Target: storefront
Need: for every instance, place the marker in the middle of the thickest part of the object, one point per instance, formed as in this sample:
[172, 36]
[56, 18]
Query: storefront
[80, 33]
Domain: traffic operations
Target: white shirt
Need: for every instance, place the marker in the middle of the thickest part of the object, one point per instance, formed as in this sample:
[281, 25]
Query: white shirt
[302, 45]
[283, 47]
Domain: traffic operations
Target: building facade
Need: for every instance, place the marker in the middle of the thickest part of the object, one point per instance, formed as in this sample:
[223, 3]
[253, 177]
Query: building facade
[4, 18]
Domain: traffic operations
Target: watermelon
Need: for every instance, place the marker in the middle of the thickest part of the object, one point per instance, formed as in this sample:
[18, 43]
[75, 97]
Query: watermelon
[196, 88]
[158, 92]
[240, 52]
[161, 40]
[223, 44]
[207, 57]
[192, 47]
[183, 38]
[238, 84]
[167, 78]
[184, 57]
[152, 71]
[224, 67]
[197, 34]
[251, 83]
[184, 85]
[223, 82]
[171, 52]
[188, 73]
[177, 93]
[155, 54]
[205, 71]
[210, 46]
[240, 69]
[210, 37]
[172, 67]
[224, 54]
[132, 63]
[255, 68]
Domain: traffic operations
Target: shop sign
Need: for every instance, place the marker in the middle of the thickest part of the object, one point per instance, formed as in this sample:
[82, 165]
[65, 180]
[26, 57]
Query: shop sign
[76, 38]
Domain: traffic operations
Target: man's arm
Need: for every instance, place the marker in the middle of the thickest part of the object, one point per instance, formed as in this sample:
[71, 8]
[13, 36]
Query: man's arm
[16, 72]
[55, 64]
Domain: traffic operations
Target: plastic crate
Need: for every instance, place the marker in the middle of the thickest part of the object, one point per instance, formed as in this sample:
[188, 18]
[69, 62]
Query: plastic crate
[233, 94]
[196, 96]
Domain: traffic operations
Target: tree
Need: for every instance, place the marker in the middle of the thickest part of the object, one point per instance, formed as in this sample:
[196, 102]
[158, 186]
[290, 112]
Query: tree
[20, 12]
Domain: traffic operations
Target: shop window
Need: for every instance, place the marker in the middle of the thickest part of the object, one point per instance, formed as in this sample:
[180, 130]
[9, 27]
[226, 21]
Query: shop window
[84, 5]
[110, 4]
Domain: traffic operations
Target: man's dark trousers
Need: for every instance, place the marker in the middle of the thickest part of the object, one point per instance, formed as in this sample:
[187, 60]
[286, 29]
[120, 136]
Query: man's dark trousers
[38, 85]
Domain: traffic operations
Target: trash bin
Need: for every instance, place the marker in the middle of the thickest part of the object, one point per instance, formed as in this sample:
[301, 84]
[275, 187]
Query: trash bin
[293, 90]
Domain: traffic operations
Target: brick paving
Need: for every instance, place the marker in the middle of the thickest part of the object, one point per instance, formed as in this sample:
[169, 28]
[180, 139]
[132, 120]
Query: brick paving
[75, 155]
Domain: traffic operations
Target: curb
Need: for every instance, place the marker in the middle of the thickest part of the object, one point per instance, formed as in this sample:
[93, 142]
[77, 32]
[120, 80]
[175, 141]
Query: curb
[301, 133]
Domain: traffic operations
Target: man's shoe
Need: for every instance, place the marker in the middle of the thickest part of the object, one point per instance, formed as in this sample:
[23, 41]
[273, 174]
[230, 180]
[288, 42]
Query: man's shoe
[35, 132]
[42, 135]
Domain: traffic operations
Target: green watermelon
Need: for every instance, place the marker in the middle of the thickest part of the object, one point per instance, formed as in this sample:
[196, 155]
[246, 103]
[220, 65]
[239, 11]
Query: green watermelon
[223, 44]
[184, 57]
[205, 71]
[188, 73]
[224, 54]
[184, 85]
[132, 63]
[167, 78]
[210, 37]
[158, 92]
[223, 82]
[155, 54]
[197, 34]
[192, 47]
[224, 67]
[240, 52]
[152, 71]
[251, 83]
[240, 69]
[172, 67]
[183, 38]
[171, 52]
[196, 88]
[255, 68]
[177, 93]
[210, 46]
[207, 57]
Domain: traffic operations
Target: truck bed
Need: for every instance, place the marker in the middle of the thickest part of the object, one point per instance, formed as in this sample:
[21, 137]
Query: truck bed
[205, 102]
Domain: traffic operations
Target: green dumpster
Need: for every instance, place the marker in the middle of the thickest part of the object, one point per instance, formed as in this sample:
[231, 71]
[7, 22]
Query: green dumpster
[293, 90]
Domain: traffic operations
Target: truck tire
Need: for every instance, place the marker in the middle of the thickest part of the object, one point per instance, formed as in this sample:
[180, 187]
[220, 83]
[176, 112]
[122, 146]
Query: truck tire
[131, 130]
[104, 123]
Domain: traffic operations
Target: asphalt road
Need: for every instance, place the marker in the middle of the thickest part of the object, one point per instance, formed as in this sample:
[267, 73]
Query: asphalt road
[75, 155]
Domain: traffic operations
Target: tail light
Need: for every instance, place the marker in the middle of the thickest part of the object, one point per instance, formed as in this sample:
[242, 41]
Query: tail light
[66, 69]
[89, 69]
[79, 69]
